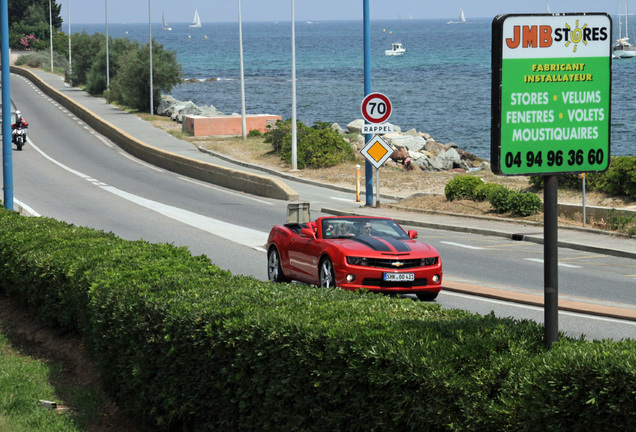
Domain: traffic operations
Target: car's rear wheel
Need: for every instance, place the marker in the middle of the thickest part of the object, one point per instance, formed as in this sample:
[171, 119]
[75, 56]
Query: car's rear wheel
[326, 273]
[274, 269]
[427, 296]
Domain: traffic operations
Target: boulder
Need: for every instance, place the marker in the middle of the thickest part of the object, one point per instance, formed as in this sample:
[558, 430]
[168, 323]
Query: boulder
[413, 143]
[355, 126]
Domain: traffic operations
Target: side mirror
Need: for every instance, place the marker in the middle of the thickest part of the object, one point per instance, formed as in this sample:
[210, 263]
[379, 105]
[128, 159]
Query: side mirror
[412, 234]
[308, 232]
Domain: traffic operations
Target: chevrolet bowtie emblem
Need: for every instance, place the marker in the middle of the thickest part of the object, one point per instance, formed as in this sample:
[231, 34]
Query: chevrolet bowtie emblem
[397, 264]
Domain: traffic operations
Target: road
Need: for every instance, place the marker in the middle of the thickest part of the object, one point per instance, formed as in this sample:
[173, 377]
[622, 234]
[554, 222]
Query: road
[71, 173]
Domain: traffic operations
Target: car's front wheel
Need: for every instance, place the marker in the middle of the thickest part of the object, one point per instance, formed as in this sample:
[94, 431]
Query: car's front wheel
[274, 269]
[427, 296]
[326, 273]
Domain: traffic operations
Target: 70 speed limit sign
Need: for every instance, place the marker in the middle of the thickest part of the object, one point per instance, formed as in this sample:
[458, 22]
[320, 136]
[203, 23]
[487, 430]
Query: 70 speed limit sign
[376, 108]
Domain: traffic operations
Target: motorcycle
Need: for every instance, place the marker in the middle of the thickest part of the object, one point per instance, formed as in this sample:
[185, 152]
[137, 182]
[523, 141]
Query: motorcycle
[19, 135]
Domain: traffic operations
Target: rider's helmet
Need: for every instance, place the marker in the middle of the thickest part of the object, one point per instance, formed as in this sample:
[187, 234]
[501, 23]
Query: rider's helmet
[18, 114]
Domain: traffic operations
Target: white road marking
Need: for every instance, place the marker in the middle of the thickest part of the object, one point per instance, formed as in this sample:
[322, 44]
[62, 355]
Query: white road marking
[209, 186]
[539, 260]
[462, 245]
[26, 207]
[242, 235]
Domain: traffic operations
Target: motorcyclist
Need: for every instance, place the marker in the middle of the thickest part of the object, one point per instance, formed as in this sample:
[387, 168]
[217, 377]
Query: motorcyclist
[19, 121]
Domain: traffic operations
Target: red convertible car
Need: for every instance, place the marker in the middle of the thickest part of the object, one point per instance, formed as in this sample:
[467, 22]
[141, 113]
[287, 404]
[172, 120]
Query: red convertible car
[354, 252]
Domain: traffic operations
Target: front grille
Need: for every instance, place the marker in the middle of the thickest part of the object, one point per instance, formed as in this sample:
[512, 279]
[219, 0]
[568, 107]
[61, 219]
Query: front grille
[388, 284]
[405, 264]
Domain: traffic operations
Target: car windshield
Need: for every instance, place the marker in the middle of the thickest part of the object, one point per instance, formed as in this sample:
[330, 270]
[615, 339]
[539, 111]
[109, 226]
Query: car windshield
[358, 227]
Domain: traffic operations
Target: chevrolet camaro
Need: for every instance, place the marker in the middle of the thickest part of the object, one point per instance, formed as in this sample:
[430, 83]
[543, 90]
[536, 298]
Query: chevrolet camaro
[354, 252]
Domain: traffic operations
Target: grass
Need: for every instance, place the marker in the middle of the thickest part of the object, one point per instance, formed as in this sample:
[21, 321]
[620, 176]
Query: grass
[24, 381]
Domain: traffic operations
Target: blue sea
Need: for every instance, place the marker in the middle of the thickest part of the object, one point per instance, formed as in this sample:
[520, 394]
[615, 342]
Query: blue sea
[441, 85]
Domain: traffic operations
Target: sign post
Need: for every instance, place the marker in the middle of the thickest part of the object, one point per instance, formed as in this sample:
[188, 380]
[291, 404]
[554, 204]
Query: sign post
[551, 99]
[376, 109]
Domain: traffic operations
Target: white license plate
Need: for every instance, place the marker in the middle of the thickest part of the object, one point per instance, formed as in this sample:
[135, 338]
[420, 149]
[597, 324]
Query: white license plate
[399, 277]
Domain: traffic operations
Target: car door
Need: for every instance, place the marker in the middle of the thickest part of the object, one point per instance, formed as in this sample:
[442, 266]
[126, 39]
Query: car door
[304, 252]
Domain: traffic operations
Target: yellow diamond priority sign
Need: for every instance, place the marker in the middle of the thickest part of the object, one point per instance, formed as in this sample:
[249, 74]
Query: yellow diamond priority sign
[377, 151]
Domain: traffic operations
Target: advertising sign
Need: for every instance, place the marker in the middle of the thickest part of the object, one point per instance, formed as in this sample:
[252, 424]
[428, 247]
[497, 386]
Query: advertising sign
[551, 93]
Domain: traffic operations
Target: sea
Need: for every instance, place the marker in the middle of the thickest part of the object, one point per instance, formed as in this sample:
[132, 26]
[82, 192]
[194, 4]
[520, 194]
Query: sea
[440, 86]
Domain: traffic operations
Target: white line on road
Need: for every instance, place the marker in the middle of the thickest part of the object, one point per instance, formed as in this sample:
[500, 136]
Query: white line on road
[461, 245]
[539, 260]
[238, 234]
[209, 186]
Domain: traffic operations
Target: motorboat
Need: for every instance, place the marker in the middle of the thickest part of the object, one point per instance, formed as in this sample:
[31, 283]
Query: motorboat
[396, 50]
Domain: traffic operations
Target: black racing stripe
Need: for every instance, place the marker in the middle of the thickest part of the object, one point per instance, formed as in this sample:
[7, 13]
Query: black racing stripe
[373, 243]
[399, 246]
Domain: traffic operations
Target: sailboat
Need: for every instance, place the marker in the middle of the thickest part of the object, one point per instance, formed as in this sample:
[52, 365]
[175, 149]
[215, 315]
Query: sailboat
[547, 7]
[622, 48]
[462, 18]
[165, 24]
[196, 21]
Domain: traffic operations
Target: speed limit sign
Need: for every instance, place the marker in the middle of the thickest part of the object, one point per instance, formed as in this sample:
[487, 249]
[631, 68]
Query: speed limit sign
[376, 108]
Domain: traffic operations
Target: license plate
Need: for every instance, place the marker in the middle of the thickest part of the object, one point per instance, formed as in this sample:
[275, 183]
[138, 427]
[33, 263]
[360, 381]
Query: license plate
[399, 277]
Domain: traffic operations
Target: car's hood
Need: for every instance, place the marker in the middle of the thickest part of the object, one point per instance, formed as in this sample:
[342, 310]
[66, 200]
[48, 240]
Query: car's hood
[365, 245]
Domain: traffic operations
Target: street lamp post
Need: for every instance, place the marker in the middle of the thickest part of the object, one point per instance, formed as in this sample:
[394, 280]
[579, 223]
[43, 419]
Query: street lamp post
[70, 64]
[294, 143]
[107, 60]
[51, 32]
[243, 121]
[150, 43]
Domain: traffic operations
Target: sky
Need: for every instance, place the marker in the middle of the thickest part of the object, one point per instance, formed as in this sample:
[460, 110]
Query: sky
[181, 11]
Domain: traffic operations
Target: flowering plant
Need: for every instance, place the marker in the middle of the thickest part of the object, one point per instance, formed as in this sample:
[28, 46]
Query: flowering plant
[27, 39]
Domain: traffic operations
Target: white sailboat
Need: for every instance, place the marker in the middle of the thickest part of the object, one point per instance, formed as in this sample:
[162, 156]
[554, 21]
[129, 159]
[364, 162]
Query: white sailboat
[165, 24]
[547, 7]
[461, 19]
[622, 48]
[196, 22]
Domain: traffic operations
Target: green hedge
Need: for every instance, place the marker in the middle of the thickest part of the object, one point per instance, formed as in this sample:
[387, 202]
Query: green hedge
[185, 345]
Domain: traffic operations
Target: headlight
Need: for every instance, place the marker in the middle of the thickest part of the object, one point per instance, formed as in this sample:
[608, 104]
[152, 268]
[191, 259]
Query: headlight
[429, 261]
[357, 261]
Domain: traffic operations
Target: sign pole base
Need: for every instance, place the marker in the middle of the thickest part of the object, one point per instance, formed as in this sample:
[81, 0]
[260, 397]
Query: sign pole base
[551, 260]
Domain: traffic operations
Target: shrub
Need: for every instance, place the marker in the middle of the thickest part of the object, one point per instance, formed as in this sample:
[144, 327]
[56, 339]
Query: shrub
[42, 60]
[462, 187]
[482, 192]
[524, 203]
[318, 146]
[254, 133]
[498, 199]
[620, 178]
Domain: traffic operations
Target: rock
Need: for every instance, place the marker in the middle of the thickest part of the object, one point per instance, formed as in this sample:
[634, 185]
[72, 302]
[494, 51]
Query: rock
[176, 110]
[338, 129]
[413, 143]
[355, 126]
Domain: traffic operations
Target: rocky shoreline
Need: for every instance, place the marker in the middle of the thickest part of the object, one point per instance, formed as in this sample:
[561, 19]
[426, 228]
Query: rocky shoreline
[413, 150]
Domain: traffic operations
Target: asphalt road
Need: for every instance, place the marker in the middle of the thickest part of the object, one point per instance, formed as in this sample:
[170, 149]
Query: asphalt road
[71, 173]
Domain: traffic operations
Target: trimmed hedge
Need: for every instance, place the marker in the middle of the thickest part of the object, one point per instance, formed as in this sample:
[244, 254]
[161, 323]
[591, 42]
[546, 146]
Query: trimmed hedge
[185, 345]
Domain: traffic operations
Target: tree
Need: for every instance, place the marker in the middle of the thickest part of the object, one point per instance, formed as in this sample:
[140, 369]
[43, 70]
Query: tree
[96, 78]
[24, 10]
[131, 86]
[31, 18]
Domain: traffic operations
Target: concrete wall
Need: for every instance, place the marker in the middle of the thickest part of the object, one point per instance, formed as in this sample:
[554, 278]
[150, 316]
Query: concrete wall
[233, 179]
[227, 125]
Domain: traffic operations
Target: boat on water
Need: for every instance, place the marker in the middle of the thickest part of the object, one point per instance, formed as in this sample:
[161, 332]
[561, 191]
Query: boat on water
[461, 19]
[196, 21]
[622, 48]
[396, 50]
[165, 24]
